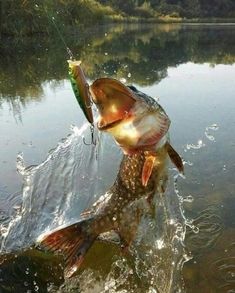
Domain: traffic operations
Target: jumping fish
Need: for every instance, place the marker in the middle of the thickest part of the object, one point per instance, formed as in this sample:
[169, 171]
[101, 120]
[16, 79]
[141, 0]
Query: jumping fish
[140, 126]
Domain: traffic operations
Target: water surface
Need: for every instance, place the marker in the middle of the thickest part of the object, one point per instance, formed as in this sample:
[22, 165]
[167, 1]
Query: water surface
[191, 70]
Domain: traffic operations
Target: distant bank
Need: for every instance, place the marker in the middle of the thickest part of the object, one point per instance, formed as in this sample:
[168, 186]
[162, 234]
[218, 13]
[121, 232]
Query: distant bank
[27, 27]
[26, 17]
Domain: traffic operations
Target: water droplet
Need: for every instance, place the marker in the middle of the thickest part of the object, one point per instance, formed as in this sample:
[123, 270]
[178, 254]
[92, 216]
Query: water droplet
[195, 229]
[27, 271]
[20, 164]
[159, 243]
[123, 80]
[171, 221]
[197, 146]
[189, 198]
[214, 127]
[187, 163]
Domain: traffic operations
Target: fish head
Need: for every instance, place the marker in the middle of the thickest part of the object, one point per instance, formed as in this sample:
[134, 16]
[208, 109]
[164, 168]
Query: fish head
[137, 122]
[113, 101]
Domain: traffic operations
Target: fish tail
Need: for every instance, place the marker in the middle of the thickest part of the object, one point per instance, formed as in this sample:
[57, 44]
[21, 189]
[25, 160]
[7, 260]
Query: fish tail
[72, 242]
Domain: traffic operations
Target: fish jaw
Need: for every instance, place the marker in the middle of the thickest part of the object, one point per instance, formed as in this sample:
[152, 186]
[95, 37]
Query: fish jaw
[142, 130]
[113, 101]
[137, 123]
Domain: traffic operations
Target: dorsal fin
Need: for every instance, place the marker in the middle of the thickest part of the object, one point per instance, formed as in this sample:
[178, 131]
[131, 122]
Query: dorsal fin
[175, 158]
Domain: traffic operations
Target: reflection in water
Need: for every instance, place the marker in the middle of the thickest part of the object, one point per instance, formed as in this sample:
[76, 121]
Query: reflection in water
[200, 102]
[144, 59]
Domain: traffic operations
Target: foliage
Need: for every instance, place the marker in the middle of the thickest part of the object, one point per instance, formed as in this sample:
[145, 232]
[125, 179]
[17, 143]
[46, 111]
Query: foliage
[22, 17]
[25, 17]
[137, 53]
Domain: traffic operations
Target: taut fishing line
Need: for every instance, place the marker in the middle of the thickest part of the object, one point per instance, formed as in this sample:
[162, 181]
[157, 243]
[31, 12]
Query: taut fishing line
[75, 86]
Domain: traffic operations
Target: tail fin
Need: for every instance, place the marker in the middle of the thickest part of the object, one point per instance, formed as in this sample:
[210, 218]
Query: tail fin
[175, 158]
[73, 242]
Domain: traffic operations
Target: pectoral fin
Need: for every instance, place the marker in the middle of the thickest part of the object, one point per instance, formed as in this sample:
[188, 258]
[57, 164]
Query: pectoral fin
[147, 169]
[175, 158]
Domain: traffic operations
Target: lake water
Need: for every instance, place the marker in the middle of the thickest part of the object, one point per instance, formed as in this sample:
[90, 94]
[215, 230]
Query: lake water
[191, 70]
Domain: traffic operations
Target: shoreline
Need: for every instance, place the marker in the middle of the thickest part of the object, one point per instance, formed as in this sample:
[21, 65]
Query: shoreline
[128, 21]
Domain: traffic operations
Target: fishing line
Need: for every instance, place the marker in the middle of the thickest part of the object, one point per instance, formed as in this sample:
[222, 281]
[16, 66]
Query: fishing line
[71, 57]
[52, 19]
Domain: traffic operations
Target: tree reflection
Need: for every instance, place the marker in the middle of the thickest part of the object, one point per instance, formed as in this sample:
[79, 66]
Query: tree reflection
[139, 53]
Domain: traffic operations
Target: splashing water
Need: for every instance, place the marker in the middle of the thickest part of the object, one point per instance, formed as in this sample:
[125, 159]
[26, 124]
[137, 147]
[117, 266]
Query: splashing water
[213, 127]
[200, 144]
[58, 190]
[71, 178]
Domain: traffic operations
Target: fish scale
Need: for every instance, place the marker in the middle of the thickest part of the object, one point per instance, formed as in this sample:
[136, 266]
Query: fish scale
[142, 173]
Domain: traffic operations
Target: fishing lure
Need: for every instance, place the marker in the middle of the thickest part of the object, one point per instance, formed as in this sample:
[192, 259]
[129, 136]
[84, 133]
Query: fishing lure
[80, 88]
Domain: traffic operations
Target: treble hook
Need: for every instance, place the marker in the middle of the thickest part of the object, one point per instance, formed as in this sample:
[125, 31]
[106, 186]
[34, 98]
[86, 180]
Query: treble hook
[93, 141]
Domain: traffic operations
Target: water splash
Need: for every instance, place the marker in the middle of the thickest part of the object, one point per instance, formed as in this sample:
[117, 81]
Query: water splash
[200, 144]
[56, 191]
[213, 127]
[70, 179]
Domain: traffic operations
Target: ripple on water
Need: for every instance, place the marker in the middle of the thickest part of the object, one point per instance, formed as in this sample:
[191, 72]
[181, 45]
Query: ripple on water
[209, 227]
[222, 264]
[213, 271]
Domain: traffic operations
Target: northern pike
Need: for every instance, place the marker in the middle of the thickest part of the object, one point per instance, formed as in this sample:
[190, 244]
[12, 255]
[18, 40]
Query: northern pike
[140, 127]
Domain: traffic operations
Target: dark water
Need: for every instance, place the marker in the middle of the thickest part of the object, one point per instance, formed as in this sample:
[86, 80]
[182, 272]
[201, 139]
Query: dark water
[191, 69]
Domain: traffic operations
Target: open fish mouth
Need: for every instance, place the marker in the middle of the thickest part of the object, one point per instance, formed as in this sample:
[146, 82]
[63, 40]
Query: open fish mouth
[113, 100]
[136, 121]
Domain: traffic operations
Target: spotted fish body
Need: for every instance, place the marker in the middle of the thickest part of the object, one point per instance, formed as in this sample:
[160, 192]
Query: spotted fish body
[142, 173]
[127, 189]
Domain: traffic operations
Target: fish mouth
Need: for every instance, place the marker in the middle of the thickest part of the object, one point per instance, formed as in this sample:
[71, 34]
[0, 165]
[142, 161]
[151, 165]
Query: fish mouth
[136, 123]
[113, 100]
[105, 127]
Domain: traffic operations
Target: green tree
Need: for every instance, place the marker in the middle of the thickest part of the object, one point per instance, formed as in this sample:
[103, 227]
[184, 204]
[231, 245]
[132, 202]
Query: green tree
[192, 8]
